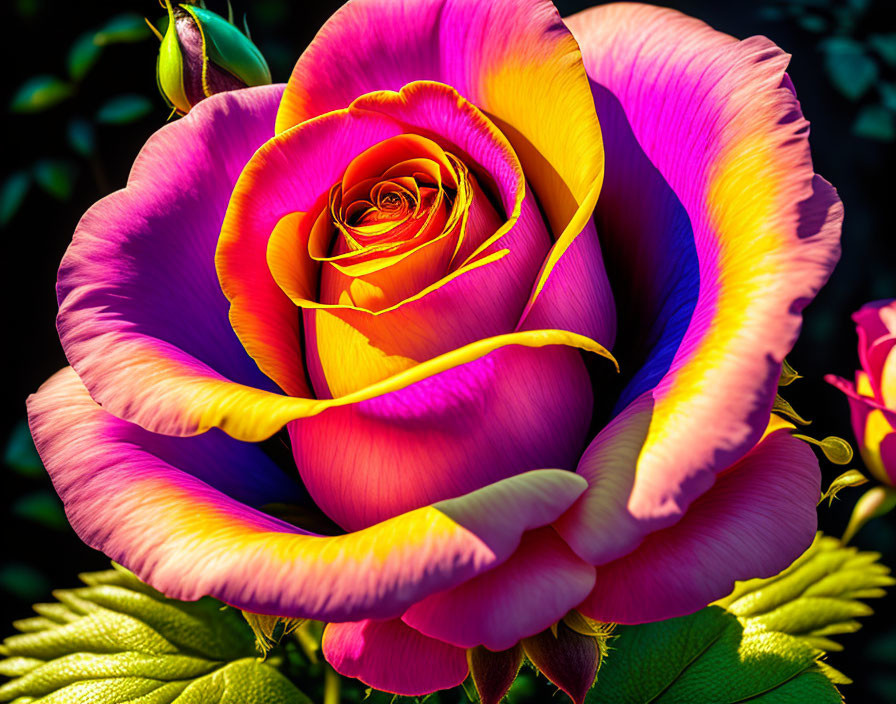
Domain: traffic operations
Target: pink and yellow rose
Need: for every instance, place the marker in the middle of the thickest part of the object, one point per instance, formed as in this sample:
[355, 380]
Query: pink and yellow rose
[872, 397]
[416, 266]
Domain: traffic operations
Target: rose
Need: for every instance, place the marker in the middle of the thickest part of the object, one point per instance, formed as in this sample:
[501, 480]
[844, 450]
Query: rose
[872, 398]
[421, 284]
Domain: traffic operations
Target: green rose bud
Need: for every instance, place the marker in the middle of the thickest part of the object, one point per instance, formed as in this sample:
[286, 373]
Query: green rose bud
[202, 54]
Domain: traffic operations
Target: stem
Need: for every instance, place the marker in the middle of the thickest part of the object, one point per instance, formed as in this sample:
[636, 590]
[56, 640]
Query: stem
[307, 642]
[331, 686]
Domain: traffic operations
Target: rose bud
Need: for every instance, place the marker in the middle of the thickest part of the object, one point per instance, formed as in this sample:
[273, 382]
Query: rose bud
[872, 405]
[872, 398]
[202, 54]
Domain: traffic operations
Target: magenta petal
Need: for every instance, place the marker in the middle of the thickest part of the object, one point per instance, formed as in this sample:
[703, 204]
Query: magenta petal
[392, 657]
[757, 518]
[724, 234]
[182, 514]
[479, 298]
[599, 526]
[577, 294]
[871, 326]
[514, 59]
[514, 410]
[874, 426]
[141, 314]
[536, 587]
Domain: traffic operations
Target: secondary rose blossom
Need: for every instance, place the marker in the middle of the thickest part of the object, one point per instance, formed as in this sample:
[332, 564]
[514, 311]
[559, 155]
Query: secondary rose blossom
[414, 258]
[872, 398]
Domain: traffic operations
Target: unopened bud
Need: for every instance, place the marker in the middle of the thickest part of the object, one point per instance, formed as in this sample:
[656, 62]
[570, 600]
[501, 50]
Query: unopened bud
[202, 54]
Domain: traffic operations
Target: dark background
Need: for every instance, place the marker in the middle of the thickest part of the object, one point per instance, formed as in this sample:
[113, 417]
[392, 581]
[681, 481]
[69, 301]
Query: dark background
[69, 155]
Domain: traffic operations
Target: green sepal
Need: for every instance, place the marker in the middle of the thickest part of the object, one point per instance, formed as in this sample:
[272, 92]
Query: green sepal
[228, 48]
[850, 478]
[117, 640]
[170, 67]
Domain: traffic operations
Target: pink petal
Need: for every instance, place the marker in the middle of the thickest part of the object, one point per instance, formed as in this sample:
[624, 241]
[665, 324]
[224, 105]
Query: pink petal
[513, 59]
[757, 518]
[158, 506]
[716, 119]
[391, 657]
[576, 294]
[141, 314]
[536, 587]
[514, 410]
[874, 426]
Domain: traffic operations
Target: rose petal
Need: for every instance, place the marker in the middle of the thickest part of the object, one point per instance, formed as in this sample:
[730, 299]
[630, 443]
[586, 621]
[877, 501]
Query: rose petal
[448, 434]
[876, 326]
[756, 519]
[881, 362]
[391, 657]
[141, 314]
[528, 76]
[175, 529]
[348, 348]
[873, 425]
[873, 321]
[599, 527]
[716, 119]
[536, 587]
[576, 295]
[443, 316]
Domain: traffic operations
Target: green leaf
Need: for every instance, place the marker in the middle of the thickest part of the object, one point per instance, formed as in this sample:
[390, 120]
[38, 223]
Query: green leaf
[81, 136]
[885, 46]
[40, 93]
[875, 122]
[23, 581]
[12, 195]
[123, 109]
[763, 643]
[82, 55]
[850, 68]
[813, 23]
[887, 95]
[55, 176]
[20, 453]
[42, 507]
[125, 28]
[116, 640]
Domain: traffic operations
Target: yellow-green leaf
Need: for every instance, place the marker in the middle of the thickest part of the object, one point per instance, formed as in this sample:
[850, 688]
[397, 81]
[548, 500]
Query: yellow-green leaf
[117, 640]
[40, 93]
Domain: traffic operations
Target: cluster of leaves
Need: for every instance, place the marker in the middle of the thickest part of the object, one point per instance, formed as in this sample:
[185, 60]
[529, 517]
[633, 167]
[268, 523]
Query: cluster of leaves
[859, 61]
[117, 639]
[38, 94]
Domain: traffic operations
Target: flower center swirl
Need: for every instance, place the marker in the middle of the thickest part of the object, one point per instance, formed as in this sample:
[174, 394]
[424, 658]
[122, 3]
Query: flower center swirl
[394, 223]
